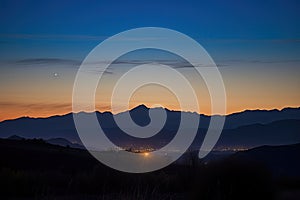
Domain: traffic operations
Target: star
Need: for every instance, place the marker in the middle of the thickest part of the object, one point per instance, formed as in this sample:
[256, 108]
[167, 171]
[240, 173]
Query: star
[55, 75]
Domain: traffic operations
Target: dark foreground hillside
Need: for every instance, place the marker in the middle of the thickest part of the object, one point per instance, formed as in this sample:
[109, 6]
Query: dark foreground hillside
[33, 169]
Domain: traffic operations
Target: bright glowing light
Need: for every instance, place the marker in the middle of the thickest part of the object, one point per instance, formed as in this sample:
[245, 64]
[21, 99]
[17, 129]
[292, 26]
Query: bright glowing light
[146, 154]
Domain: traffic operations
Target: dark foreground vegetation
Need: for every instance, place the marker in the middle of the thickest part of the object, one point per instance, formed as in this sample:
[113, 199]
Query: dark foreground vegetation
[33, 169]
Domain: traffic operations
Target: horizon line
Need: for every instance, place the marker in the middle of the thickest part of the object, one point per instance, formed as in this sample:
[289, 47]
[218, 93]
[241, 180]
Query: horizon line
[171, 110]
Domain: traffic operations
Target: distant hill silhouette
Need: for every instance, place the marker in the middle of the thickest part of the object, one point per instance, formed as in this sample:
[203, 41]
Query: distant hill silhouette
[260, 117]
[55, 141]
[34, 169]
[247, 129]
[64, 142]
[282, 160]
[15, 137]
[274, 133]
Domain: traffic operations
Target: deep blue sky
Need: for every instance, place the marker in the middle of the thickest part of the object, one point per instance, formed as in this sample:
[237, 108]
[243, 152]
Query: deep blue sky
[253, 19]
[70, 23]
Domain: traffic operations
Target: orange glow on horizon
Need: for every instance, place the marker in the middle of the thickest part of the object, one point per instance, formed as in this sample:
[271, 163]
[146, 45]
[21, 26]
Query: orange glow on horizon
[10, 112]
[237, 101]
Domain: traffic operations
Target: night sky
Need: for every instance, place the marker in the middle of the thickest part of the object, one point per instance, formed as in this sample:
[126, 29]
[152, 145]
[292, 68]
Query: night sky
[256, 45]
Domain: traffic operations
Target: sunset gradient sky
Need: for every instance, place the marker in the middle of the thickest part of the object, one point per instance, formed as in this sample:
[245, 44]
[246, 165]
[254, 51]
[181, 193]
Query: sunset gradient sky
[256, 45]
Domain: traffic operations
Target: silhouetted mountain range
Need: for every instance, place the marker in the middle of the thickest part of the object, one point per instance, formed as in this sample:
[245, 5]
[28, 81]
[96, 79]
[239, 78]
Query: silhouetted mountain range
[274, 133]
[245, 129]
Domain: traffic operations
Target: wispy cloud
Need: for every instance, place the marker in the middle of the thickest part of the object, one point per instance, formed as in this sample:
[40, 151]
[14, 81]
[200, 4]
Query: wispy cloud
[267, 61]
[12, 110]
[52, 62]
[120, 64]
[75, 37]
[247, 40]
[52, 37]
[46, 61]
[103, 37]
[18, 105]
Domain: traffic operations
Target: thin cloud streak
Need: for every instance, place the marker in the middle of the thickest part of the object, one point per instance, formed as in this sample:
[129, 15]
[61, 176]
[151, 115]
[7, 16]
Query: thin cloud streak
[51, 62]
[246, 40]
[273, 61]
[119, 64]
[44, 61]
[35, 105]
[53, 37]
[103, 37]
[73, 37]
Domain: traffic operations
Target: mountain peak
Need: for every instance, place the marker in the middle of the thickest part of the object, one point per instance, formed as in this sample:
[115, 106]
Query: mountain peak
[140, 107]
[15, 137]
